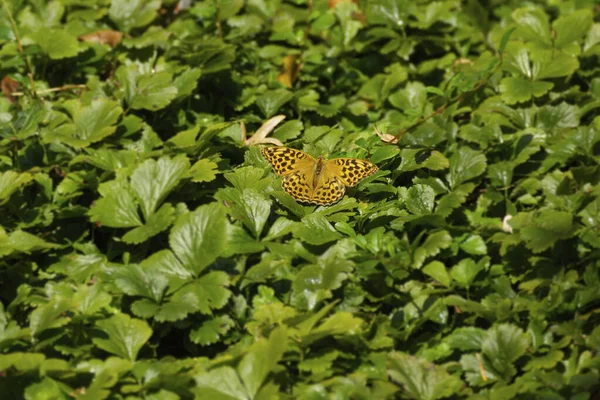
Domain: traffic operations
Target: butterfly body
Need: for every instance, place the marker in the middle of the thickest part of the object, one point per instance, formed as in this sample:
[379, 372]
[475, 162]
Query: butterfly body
[316, 180]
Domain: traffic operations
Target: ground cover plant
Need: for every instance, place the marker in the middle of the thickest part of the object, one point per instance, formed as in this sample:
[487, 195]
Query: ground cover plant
[148, 250]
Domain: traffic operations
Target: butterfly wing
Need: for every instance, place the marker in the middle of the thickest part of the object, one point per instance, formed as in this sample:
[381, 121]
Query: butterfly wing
[298, 185]
[296, 168]
[286, 161]
[329, 190]
[350, 171]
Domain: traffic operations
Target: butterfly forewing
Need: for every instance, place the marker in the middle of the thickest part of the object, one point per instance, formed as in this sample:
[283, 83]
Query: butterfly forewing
[286, 161]
[350, 170]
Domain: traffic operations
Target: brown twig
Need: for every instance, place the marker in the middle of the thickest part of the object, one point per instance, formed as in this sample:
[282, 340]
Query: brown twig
[456, 99]
[56, 89]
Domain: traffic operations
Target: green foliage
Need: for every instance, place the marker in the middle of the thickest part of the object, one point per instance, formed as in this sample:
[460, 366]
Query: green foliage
[148, 251]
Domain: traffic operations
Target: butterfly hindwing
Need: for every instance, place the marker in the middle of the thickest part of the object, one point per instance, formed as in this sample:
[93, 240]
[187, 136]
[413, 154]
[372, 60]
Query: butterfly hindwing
[298, 186]
[329, 191]
[351, 170]
[286, 161]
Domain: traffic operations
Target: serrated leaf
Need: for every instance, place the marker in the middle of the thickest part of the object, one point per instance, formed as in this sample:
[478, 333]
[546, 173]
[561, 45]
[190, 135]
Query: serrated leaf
[315, 229]
[430, 247]
[117, 208]
[153, 91]
[421, 379]
[271, 101]
[413, 159]
[221, 383]
[10, 182]
[210, 331]
[465, 271]
[437, 271]
[96, 121]
[56, 43]
[503, 345]
[572, 27]
[465, 164]
[515, 90]
[206, 293]
[198, 237]
[129, 14]
[467, 338]
[420, 199]
[153, 180]
[48, 316]
[532, 24]
[204, 170]
[186, 82]
[126, 336]
[156, 223]
[261, 359]
[474, 245]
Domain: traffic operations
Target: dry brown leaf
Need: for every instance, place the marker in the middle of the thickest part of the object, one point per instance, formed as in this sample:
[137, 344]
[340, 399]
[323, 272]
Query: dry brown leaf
[386, 137]
[9, 86]
[291, 70]
[260, 136]
[333, 3]
[111, 38]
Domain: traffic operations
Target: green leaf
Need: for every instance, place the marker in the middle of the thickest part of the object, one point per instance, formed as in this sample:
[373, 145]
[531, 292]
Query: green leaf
[117, 208]
[96, 121]
[125, 336]
[414, 159]
[315, 229]
[206, 293]
[516, 90]
[261, 359]
[128, 14]
[465, 164]
[465, 271]
[411, 99]
[56, 43]
[270, 102]
[249, 206]
[544, 229]
[532, 24]
[49, 316]
[502, 346]
[153, 180]
[186, 82]
[384, 153]
[204, 170]
[212, 330]
[23, 242]
[46, 389]
[134, 280]
[421, 379]
[437, 271]
[156, 223]
[432, 246]
[345, 12]
[221, 383]
[198, 237]
[572, 27]
[10, 182]
[474, 245]
[153, 91]
[467, 338]
[420, 199]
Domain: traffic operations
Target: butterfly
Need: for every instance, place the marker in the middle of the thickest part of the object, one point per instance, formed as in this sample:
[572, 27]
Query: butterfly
[315, 180]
